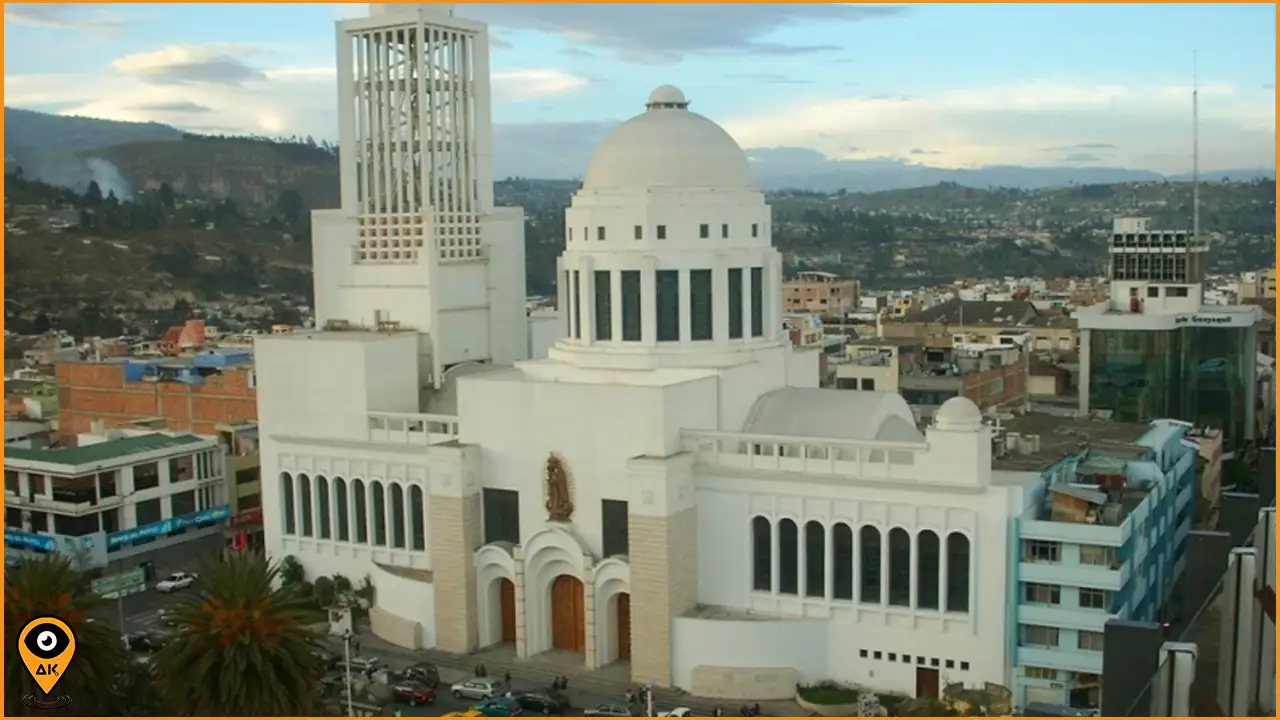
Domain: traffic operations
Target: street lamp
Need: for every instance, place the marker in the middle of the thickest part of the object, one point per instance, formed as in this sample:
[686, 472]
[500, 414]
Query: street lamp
[346, 662]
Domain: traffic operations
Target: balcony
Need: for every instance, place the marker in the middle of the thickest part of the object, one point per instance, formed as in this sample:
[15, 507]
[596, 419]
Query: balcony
[1070, 532]
[1061, 658]
[1074, 618]
[1075, 575]
[412, 428]
[879, 460]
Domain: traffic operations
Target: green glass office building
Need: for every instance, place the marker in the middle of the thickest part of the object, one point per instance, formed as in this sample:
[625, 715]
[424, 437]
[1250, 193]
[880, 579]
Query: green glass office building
[1203, 375]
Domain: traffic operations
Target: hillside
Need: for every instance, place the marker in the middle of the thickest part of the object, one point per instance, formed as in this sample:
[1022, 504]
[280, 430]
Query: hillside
[47, 145]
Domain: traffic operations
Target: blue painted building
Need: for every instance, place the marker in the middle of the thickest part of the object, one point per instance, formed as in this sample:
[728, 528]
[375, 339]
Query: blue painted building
[1102, 536]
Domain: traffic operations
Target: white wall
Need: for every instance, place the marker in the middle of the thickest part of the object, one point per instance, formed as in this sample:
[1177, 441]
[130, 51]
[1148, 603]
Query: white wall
[403, 597]
[766, 643]
[545, 328]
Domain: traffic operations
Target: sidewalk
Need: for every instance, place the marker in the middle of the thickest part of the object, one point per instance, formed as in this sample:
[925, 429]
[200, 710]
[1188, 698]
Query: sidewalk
[605, 685]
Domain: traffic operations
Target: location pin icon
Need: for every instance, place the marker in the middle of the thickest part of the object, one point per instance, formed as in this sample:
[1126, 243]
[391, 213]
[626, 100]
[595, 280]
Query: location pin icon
[46, 646]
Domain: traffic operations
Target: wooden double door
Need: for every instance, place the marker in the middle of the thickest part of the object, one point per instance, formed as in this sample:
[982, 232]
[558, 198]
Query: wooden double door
[507, 603]
[568, 614]
[622, 621]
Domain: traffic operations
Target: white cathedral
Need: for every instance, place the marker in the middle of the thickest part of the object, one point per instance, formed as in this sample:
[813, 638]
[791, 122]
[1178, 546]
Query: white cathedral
[663, 485]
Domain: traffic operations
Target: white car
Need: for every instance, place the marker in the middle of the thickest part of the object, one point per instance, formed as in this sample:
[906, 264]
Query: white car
[176, 581]
[680, 712]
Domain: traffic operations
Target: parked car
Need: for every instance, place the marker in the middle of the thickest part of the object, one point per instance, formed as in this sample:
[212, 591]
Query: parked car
[498, 707]
[608, 710]
[481, 688]
[413, 693]
[680, 712]
[543, 703]
[144, 642]
[176, 581]
[425, 673]
[361, 664]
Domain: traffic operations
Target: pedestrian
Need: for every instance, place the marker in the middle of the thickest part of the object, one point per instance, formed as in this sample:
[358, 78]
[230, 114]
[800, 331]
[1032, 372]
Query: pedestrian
[630, 696]
[744, 711]
[476, 670]
[484, 671]
[564, 682]
[506, 680]
[755, 710]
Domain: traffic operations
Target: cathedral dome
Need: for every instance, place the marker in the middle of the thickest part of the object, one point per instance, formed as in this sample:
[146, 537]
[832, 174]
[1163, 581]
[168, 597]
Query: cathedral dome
[958, 413]
[668, 147]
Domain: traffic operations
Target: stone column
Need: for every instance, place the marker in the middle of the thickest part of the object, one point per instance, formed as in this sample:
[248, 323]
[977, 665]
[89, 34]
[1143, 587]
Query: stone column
[590, 657]
[455, 537]
[522, 621]
[663, 540]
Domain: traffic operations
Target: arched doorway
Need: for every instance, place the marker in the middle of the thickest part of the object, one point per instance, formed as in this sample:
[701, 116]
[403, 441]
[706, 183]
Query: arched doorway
[622, 623]
[507, 609]
[568, 614]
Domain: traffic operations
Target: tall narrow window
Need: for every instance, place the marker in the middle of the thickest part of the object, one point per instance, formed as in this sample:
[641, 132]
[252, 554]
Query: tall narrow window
[577, 305]
[704, 231]
[398, 539]
[788, 557]
[724, 230]
[600, 232]
[761, 554]
[322, 501]
[815, 559]
[869, 564]
[755, 230]
[362, 510]
[842, 556]
[667, 297]
[662, 232]
[899, 567]
[757, 302]
[604, 305]
[928, 558]
[417, 519]
[286, 499]
[567, 310]
[630, 305]
[379, 505]
[639, 232]
[700, 308]
[344, 510]
[307, 528]
[735, 303]
[957, 573]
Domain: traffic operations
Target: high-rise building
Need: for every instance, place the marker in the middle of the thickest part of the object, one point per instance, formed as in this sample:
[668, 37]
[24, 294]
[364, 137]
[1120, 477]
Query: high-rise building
[1153, 349]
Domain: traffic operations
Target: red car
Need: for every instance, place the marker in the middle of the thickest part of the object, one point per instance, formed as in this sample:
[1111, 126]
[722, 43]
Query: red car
[413, 694]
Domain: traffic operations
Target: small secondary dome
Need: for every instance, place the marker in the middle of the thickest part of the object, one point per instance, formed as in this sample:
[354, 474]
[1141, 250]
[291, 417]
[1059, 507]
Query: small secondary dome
[958, 413]
[668, 147]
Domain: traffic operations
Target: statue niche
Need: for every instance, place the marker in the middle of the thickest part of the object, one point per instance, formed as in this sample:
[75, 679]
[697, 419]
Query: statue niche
[559, 500]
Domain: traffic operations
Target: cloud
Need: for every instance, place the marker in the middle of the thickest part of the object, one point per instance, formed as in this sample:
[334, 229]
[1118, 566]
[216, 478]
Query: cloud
[190, 64]
[768, 78]
[175, 107]
[1082, 158]
[498, 43]
[922, 151]
[68, 16]
[641, 33]
[577, 52]
[1080, 146]
[534, 84]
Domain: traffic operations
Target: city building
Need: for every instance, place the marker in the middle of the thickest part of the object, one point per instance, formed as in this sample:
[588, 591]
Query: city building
[192, 393]
[820, 293]
[239, 443]
[1153, 349]
[124, 499]
[1257, 285]
[1102, 536]
[668, 488]
[984, 321]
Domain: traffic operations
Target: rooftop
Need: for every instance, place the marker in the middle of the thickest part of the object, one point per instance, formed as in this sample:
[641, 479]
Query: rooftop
[978, 312]
[102, 451]
[1035, 442]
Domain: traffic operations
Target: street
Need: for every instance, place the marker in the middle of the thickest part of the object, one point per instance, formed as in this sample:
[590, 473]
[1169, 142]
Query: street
[141, 610]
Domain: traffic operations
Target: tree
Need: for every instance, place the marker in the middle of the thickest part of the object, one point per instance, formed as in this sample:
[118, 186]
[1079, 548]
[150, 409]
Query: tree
[165, 193]
[51, 586]
[93, 194]
[243, 647]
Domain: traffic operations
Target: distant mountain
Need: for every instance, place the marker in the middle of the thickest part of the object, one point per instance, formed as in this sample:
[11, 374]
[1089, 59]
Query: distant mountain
[120, 156]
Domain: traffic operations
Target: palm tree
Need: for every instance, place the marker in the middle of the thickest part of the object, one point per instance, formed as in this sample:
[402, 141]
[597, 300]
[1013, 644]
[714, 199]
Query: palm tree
[51, 586]
[242, 646]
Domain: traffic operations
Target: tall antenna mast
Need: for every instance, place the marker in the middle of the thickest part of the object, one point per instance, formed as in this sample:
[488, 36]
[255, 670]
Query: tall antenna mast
[1195, 147]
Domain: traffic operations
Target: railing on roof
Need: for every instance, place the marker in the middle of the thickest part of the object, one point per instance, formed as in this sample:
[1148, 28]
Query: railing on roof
[412, 428]
[814, 456]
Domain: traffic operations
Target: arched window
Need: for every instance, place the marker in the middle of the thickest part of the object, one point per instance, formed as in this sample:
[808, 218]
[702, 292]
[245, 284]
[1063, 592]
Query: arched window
[815, 559]
[869, 561]
[322, 502]
[957, 572]
[842, 556]
[362, 511]
[788, 557]
[379, 513]
[304, 491]
[286, 501]
[761, 554]
[417, 518]
[344, 509]
[928, 556]
[899, 567]
[397, 516]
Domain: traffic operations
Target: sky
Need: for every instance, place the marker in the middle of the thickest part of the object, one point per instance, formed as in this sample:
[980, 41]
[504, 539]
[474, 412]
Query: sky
[954, 86]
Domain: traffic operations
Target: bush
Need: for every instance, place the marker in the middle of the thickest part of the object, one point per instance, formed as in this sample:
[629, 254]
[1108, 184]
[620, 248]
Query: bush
[828, 693]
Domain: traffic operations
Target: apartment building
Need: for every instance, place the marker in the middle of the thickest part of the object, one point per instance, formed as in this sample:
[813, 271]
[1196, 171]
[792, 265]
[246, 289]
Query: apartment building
[821, 293]
[984, 321]
[125, 499]
[1102, 536]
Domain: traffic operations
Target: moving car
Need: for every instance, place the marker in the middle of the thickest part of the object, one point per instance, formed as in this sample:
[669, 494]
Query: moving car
[498, 707]
[176, 581]
[361, 664]
[608, 710]
[144, 642]
[413, 693]
[422, 672]
[680, 712]
[543, 703]
[480, 688]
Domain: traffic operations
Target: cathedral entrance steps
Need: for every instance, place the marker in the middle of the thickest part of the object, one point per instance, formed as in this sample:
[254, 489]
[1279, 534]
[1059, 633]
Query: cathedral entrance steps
[586, 687]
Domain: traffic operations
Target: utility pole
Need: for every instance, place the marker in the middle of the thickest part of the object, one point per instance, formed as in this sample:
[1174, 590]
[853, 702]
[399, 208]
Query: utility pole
[346, 661]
